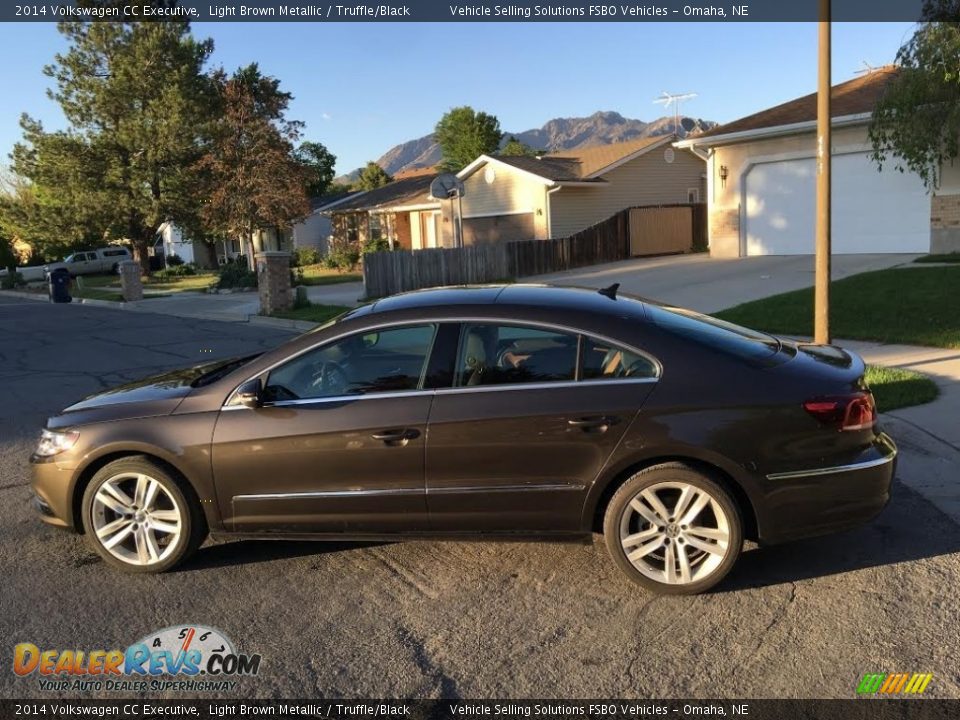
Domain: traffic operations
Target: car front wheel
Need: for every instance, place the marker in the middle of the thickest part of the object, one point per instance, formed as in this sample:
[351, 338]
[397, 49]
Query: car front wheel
[140, 518]
[673, 530]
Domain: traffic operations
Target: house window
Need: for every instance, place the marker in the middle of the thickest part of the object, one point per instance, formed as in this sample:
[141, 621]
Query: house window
[376, 228]
[353, 228]
[693, 195]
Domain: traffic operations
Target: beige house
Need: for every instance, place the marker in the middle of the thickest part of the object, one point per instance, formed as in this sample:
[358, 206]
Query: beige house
[558, 194]
[510, 198]
[761, 183]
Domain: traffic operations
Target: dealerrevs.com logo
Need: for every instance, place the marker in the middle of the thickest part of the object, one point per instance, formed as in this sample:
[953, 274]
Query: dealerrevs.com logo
[894, 683]
[185, 657]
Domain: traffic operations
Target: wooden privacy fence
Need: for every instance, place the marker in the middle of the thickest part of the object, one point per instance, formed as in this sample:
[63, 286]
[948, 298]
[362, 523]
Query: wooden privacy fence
[632, 232]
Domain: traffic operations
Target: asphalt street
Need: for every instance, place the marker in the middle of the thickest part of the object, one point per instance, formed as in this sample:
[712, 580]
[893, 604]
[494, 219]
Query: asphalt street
[469, 619]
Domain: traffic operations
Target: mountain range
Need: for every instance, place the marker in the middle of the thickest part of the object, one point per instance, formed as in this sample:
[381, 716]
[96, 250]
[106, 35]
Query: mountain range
[601, 128]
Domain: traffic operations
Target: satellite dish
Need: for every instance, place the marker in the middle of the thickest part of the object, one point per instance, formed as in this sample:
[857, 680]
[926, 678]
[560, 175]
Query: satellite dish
[446, 186]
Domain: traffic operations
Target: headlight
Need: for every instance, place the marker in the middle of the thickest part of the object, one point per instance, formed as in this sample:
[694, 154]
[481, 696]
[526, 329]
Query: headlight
[53, 442]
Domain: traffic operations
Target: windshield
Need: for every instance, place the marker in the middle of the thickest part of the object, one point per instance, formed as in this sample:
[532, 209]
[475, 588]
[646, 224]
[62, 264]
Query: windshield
[717, 334]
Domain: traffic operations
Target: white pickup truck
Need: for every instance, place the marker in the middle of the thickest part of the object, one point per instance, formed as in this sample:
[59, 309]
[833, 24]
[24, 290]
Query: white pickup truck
[86, 262]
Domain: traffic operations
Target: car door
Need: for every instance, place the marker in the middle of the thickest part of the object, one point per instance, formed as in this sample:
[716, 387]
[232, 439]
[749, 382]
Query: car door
[533, 416]
[337, 444]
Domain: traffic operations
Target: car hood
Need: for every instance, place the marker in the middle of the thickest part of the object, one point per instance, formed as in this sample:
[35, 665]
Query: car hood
[149, 397]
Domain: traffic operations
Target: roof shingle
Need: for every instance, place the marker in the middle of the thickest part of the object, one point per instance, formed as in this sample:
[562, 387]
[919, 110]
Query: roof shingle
[854, 97]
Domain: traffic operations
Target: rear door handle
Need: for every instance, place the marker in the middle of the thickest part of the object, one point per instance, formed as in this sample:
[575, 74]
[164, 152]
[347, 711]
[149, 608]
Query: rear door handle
[600, 423]
[396, 436]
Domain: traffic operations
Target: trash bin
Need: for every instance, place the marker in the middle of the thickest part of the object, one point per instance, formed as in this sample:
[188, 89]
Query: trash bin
[58, 284]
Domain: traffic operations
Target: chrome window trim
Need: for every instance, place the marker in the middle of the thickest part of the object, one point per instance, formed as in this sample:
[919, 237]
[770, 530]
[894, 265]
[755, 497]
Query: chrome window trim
[565, 384]
[658, 366]
[852, 467]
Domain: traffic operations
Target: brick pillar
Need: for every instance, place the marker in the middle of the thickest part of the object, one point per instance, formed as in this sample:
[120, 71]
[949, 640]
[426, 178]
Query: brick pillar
[273, 281]
[945, 224]
[132, 287]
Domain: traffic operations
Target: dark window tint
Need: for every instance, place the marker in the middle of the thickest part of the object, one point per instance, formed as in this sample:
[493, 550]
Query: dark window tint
[114, 253]
[717, 334]
[601, 360]
[378, 361]
[506, 354]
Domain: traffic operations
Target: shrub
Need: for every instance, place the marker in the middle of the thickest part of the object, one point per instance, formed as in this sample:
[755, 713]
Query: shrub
[304, 256]
[11, 280]
[174, 260]
[342, 257]
[176, 271]
[235, 275]
[372, 246]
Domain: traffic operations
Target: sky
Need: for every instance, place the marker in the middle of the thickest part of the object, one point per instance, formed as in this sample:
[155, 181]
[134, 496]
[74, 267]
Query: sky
[363, 88]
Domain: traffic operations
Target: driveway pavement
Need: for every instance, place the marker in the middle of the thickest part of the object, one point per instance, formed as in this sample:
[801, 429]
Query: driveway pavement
[710, 284]
[468, 619]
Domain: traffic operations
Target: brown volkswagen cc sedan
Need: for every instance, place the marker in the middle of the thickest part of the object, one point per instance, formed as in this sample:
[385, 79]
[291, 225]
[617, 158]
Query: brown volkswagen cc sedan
[483, 412]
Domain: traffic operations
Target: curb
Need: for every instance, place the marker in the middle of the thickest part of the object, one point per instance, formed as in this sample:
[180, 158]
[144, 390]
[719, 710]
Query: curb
[25, 295]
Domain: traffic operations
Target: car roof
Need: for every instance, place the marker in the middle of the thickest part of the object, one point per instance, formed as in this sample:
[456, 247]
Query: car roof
[545, 297]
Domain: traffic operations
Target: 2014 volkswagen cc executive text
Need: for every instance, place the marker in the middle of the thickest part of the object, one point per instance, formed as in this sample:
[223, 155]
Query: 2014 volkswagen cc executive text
[499, 411]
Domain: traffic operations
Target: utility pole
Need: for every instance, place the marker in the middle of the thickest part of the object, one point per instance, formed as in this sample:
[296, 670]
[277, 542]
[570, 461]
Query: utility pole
[821, 300]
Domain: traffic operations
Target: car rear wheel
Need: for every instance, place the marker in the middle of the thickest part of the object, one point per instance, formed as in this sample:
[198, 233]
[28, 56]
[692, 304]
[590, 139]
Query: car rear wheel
[673, 530]
[140, 518]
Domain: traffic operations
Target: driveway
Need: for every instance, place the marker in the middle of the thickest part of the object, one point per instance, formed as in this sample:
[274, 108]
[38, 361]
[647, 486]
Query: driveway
[459, 619]
[710, 284]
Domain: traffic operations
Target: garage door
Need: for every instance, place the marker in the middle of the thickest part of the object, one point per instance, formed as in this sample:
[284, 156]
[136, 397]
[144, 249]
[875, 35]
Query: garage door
[498, 228]
[873, 212]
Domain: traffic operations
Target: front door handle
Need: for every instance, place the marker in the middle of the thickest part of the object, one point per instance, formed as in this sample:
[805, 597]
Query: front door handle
[591, 424]
[396, 437]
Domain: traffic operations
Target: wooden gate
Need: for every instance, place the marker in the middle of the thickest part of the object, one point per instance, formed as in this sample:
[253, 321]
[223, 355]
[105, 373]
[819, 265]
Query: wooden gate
[661, 230]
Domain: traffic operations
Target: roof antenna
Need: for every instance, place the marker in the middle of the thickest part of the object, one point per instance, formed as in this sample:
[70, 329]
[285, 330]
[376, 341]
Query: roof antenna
[868, 69]
[668, 99]
[610, 292]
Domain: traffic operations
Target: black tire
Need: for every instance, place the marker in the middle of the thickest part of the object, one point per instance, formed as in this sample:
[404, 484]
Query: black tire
[617, 522]
[193, 526]
[114, 268]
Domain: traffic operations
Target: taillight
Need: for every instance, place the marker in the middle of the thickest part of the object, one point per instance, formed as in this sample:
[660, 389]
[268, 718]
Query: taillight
[849, 412]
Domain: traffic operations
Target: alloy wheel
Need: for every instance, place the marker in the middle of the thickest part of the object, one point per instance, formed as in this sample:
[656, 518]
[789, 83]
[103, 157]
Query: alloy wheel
[136, 519]
[675, 533]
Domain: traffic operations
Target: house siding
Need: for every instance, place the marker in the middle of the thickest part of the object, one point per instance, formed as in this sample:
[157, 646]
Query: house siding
[646, 180]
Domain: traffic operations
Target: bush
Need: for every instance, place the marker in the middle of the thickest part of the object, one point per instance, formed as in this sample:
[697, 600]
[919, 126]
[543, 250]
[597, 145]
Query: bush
[175, 271]
[235, 275]
[372, 246]
[342, 258]
[174, 260]
[11, 280]
[304, 256]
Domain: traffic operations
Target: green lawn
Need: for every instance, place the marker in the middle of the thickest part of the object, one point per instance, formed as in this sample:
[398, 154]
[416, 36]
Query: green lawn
[320, 275]
[184, 283]
[943, 258]
[895, 388]
[312, 313]
[915, 306]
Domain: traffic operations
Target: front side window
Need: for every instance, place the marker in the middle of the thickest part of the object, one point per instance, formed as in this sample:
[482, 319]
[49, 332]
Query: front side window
[601, 360]
[492, 354]
[390, 360]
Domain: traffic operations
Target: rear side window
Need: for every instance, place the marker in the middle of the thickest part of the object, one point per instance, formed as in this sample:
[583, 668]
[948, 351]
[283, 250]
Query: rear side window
[602, 360]
[717, 334]
[493, 354]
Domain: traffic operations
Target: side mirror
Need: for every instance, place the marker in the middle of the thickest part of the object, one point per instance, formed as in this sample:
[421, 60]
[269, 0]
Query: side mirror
[249, 393]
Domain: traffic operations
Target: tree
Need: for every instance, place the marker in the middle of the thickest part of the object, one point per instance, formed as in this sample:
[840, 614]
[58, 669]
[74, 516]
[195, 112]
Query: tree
[519, 149]
[372, 177]
[251, 178]
[135, 97]
[917, 120]
[465, 134]
[318, 163]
